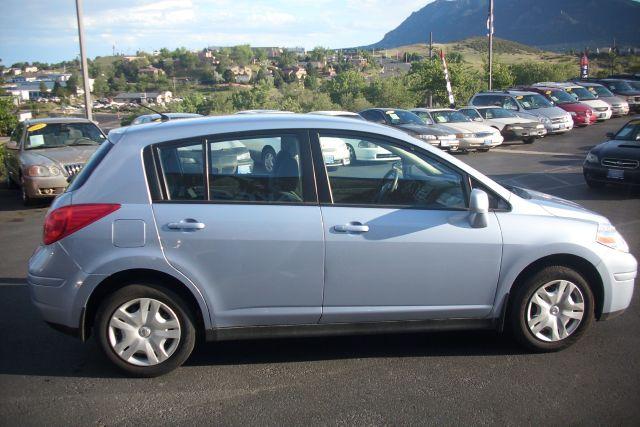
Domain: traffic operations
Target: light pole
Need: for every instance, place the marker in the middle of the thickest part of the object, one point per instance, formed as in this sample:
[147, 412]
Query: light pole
[490, 28]
[83, 58]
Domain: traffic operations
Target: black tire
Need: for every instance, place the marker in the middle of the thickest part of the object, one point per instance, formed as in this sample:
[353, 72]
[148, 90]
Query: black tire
[26, 200]
[352, 154]
[268, 151]
[187, 327]
[483, 150]
[528, 140]
[524, 292]
[594, 184]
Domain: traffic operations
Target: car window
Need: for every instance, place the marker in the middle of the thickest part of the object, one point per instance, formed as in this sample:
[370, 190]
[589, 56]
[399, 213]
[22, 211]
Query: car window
[55, 135]
[471, 113]
[629, 132]
[96, 158]
[394, 176]
[234, 176]
[182, 167]
[482, 101]
[509, 103]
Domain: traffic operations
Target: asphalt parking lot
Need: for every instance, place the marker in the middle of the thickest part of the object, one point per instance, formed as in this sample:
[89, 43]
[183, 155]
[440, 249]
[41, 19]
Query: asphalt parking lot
[438, 378]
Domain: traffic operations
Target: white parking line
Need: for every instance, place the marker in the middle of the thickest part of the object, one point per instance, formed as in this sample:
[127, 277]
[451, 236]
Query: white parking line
[533, 153]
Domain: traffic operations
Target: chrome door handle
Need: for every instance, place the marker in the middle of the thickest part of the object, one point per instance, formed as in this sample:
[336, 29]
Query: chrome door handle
[352, 227]
[186, 224]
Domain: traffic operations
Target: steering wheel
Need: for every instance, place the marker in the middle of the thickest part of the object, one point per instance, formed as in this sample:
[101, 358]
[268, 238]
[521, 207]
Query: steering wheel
[387, 187]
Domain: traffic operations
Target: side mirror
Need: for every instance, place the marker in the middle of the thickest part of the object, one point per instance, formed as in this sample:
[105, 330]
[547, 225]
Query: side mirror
[611, 135]
[11, 145]
[478, 119]
[478, 208]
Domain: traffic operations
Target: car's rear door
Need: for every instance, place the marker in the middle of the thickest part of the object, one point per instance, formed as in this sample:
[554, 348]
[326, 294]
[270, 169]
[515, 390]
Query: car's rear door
[251, 240]
[399, 245]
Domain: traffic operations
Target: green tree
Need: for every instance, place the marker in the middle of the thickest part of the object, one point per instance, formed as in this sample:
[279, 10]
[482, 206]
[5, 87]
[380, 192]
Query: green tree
[228, 76]
[100, 86]
[8, 119]
[428, 77]
[501, 75]
[241, 54]
[391, 92]
[43, 89]
[58, 90]
[287, 59]
[347, 84]
[529, 72]
[72, 85]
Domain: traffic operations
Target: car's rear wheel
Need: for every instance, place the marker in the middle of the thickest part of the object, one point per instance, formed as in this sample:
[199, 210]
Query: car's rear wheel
[352, 154]
[483, 150]
[268, 159]
[528, 140]
[551, 310]
[145, 330]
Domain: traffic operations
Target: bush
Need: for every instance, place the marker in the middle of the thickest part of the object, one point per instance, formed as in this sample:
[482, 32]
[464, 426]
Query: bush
[8, 119]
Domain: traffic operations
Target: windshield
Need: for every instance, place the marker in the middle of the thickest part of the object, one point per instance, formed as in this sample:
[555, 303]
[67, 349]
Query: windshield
[533, 102]
[472, 114]
[560, 97]
[447, 116]
[619, 85]
[635, 85]
[630, 132]
[402, 117]
[51, 135]
[496, 113]
[580, 93]
[601, 91]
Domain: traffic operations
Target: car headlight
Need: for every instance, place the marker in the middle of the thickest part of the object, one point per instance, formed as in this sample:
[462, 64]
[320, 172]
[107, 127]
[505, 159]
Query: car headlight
[591, 158]
[465, 135]
[427, 137]
[447, 137]
[609, 236]
[545, 120]
[42, 170]
[244, 156]
[539, 126]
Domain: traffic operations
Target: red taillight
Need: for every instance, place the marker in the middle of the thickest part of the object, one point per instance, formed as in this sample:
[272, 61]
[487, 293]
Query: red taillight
[69, 219]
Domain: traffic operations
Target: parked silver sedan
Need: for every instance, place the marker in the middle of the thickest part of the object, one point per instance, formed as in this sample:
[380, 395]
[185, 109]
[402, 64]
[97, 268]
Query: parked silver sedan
[42, 154]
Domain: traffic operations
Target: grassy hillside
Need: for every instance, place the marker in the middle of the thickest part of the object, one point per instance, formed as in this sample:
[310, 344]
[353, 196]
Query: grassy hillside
[474, 51]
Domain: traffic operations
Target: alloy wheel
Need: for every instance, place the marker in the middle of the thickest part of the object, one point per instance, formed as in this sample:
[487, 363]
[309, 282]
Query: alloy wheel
[555, 310]
[144, 332]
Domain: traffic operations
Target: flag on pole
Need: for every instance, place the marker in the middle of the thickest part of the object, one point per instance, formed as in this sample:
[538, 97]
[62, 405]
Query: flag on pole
[452, 102]
[490, 28]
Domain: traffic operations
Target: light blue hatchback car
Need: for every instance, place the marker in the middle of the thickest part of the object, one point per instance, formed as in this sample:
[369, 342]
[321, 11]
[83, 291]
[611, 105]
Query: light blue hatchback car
[165, 238]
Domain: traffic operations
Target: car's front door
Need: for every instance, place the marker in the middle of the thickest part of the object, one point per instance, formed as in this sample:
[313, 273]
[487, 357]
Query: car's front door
[251, 240]
[399, 245]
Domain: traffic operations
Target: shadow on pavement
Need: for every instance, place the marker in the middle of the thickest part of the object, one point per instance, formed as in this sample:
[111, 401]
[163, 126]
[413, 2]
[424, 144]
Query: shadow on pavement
[30, 347]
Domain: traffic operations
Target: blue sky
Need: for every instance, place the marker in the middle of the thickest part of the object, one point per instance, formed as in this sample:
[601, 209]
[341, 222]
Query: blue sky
[45, 30]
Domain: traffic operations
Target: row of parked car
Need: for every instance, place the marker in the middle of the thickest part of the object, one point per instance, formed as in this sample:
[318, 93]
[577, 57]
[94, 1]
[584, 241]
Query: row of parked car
[42, 155]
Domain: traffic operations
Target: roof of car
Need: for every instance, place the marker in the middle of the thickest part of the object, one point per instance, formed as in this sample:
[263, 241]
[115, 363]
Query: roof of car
[171, 115]
[179, 129]
[507, 92]
[58, 120]
[384, 109]
[334, 113]
[557, 85]
[588, 84]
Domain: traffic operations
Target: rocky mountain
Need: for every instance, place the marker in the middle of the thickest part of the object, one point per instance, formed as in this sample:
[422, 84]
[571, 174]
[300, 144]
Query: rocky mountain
[547, 24]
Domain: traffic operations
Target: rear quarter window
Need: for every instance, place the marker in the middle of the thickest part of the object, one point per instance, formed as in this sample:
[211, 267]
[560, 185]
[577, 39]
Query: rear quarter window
[91, 165]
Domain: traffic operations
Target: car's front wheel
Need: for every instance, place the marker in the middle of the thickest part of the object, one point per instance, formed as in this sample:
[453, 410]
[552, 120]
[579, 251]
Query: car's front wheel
[552, 309]
[145, 330]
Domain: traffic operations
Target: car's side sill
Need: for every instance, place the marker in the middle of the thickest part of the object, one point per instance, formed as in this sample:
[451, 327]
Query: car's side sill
[313, 330]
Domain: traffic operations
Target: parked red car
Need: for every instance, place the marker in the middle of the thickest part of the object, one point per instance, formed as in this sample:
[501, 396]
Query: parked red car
[581, 113]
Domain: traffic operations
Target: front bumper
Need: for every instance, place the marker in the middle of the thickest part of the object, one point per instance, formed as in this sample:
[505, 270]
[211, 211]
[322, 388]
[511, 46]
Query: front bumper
[598, 173]
[603, 115]
[560, 127]
[618, 271]
[524, 133]
[619, 111]
[480, 143]
[44, 187]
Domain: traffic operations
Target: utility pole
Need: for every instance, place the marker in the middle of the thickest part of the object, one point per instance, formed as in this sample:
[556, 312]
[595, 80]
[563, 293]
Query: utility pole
[490, 28]
[83, 56]
[430, 58]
